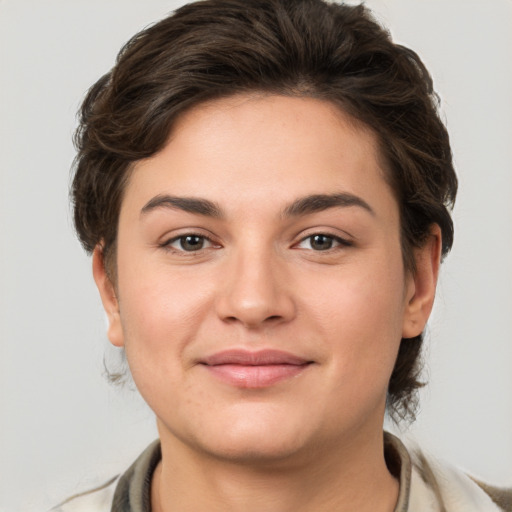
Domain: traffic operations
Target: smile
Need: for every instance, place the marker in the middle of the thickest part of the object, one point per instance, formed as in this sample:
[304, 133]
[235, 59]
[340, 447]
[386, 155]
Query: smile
[246, 369]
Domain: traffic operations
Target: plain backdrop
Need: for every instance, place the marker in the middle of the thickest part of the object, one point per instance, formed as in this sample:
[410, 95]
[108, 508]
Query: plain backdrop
[63, 427]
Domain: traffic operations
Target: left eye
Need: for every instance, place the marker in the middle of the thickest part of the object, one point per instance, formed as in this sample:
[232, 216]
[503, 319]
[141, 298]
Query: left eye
[322, 242]
[189, 243]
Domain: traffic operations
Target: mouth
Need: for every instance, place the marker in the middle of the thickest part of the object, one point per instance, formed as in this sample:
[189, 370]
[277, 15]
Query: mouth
[248, 369]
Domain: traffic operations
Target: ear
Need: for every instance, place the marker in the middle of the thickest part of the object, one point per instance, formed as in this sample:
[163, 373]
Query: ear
[108, 297]
[421, 285]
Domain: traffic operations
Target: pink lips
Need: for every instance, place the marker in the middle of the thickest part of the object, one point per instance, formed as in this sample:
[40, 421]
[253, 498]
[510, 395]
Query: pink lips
[246, 369]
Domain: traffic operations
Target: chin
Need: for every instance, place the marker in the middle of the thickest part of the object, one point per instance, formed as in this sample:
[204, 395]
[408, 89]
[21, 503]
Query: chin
[255, 450]
[251, 438]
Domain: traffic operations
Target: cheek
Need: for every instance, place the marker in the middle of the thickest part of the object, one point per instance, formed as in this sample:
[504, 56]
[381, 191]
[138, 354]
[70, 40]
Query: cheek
[359, 316]
[160, 315]
[364, 333]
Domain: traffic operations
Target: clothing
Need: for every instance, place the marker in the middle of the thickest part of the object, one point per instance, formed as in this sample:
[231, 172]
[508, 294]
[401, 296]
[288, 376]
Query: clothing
[425, 486]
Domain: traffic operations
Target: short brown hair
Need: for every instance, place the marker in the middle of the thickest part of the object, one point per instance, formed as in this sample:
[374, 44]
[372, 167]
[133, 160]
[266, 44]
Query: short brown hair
[311, 48]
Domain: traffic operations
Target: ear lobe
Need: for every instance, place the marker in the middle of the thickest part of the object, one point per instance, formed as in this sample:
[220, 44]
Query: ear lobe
[108, 297]
[421, 288]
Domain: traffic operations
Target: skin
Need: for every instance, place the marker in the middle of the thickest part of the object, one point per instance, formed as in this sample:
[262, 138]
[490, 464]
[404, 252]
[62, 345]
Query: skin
[311, 442]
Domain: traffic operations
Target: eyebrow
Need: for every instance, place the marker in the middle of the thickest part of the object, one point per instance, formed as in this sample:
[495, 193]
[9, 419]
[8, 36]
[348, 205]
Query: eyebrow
[188, 204]
[302, 206]
[319, 202]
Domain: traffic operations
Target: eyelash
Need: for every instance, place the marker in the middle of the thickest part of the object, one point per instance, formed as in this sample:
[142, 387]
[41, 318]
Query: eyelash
[334, 239]
[168, 244]
[342, 242]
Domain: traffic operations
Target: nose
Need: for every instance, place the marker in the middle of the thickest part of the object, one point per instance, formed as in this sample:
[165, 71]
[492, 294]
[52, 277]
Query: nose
[255, 291]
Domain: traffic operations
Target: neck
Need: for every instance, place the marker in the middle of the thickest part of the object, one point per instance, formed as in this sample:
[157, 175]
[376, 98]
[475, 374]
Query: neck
[186, 480]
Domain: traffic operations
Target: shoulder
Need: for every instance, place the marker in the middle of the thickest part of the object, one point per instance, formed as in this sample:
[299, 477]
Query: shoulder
[98, 499]
[430, 485]
[502, 496]
[129, 491]
[435, 481]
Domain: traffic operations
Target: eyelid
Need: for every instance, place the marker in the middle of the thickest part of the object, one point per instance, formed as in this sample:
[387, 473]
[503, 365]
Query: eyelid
[338, 234]
[166, 244]
[342, 242]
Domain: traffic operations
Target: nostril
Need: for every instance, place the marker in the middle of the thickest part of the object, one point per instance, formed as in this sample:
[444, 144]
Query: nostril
[254, 306]
[253, 322]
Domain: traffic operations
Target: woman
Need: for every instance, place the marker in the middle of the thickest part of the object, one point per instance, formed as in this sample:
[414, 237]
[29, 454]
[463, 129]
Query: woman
[265, 189]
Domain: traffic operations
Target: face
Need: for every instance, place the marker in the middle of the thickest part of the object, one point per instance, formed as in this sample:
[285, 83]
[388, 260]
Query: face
[261, 295]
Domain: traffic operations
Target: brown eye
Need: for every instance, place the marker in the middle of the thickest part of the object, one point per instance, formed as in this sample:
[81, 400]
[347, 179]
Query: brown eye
[188, 243]
[321, 242]
[191, 242]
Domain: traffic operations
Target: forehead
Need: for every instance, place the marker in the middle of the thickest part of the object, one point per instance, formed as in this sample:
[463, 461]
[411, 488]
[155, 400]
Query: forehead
[262, 150]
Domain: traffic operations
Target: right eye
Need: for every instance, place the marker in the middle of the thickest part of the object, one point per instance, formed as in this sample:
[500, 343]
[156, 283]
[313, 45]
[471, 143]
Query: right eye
[189, 243]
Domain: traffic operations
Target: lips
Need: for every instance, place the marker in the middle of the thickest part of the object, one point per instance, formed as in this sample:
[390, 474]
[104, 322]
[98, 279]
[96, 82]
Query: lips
[247, 369]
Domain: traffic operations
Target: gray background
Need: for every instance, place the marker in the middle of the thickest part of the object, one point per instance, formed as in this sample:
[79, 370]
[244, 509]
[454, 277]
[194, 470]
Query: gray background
[63, 427]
